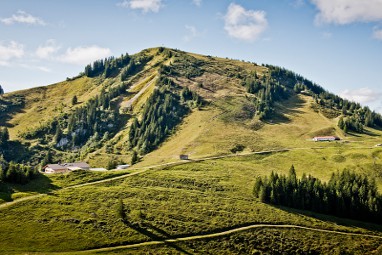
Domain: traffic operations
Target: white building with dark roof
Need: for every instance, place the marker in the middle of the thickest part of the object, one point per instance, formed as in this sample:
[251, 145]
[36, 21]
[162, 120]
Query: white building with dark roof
[65, 167]
[325, 138]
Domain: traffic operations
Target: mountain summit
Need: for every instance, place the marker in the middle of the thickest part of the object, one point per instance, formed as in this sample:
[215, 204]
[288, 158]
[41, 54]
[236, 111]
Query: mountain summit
[161, 103]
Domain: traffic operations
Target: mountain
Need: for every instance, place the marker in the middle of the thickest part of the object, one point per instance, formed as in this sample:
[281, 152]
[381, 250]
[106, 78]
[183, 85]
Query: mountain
[254, 182]
[164, 102]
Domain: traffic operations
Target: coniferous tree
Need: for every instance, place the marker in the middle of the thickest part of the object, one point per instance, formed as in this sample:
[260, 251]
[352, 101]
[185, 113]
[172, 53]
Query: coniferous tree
[346, 194]
[4, 136]
[74, 100]
[134, 157]
[1, 90]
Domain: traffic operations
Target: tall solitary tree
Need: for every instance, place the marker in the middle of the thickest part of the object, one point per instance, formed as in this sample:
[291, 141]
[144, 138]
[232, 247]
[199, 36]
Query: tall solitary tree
[1, 90]
[74, 100]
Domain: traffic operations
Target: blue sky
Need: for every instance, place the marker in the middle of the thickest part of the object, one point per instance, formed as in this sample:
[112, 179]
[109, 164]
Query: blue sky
[335, 43]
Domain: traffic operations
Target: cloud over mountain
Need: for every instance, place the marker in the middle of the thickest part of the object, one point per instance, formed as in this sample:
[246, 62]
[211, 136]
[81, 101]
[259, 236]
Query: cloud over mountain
[246, 25]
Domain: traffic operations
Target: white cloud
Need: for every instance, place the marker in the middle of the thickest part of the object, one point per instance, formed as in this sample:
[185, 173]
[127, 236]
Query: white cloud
[246, 25]
[47, 50]
[84, 55]
[192, 33]
[10, 50]
[362, 95]
[348, 11]
[23, 17]
[197, 2]
[144, 5]
[377, 33]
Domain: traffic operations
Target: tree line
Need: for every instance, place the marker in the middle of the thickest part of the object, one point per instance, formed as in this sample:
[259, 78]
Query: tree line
[267, 91]
[162, 112]
[16, 173]
[354, 116]
[97, 119]
[110, 67]
[347, 194]
[106, 66]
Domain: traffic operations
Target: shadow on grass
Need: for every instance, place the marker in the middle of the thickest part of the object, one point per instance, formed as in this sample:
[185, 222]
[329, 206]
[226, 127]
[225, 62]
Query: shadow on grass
[41, 184]
[346, 222]
[370, 133]
[149, 230]
[286, 108]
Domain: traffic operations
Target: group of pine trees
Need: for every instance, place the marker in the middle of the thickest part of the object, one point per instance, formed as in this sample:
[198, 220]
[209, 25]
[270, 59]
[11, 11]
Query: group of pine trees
[16, 173]
[183, 65]
[347, 194]
[161, 113]
[97, 117]
[4, 136]
[267, 91]
[354, 116]
[107, 66]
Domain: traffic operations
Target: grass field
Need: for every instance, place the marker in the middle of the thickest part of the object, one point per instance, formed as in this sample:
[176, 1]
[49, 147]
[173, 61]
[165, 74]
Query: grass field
[194, 198]
[49, 183]
[200, 196]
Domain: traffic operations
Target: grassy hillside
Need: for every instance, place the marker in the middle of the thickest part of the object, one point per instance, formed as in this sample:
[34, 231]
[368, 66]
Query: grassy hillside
[185, 200]
[235, 120]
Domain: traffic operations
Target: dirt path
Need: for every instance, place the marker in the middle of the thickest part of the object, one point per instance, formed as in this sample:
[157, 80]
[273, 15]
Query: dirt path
[223, 233]
[152, 167]
[7, 204]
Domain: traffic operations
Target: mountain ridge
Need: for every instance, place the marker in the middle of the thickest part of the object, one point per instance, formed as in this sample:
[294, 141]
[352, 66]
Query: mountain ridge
[112, 95]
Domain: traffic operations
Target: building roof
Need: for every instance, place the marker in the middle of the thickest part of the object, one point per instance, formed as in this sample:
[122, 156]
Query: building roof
[55, 166]
[326, 137]
[76, 165]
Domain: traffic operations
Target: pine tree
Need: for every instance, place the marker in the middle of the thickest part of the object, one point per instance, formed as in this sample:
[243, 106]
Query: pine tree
[74, 100]
[1, 90]
[134, 157]
[58, 135]
[341, 123]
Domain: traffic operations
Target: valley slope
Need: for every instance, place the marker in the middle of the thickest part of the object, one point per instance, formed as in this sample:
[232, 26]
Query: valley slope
[235, 120]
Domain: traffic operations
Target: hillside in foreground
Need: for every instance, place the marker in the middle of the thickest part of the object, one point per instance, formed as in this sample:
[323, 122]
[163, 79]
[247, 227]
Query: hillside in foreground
[235, 121]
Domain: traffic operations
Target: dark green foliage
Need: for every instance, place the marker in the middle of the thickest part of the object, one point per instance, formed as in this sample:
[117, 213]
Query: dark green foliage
[268, 91]
[17, 173]
[4, 136]
[191, 96]
[358, 115]
[106, 67]
[351, 124]
[237, 148]
[346, 194]
[112, 164]
[87, 123]
[161, 113]
[74, 100]
[135, 65]
[121, 211]
[185, 66]
[8, 105]
[1, 90]
[134, 157]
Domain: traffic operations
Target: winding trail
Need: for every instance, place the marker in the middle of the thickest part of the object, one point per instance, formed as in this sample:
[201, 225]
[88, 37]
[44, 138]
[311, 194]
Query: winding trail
[139, 171]
[152, 167]
[222, 233]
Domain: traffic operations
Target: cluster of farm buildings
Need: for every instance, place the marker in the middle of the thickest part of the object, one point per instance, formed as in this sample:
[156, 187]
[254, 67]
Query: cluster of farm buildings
[67, 167]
